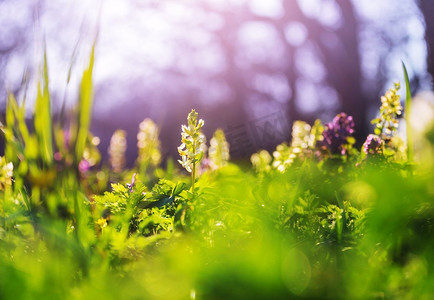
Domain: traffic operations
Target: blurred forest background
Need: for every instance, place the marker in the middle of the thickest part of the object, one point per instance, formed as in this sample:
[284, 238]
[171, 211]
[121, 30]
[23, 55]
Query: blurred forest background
[250, 67]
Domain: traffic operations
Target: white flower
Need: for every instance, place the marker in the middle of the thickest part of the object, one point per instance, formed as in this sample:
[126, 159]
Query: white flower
[192, 148]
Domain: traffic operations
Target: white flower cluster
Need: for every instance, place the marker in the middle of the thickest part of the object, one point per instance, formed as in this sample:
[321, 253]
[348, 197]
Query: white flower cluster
[304, 143]
[117, 148]
[191, 150]
[148, 144]
[219, 149]
[6, 173]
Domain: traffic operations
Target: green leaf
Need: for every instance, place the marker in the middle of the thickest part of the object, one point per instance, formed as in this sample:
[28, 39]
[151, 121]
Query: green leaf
[179, 188]
[119, 188]
[389, 152]
[85, 113]
[408, 115]
[42, 118]
[10, 146]
[161, 202]
[340, 222]
[198, 157]
[351, 140]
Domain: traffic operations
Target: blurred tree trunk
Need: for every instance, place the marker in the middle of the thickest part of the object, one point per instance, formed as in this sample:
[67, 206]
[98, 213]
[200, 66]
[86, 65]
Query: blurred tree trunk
[348, 79]
[342, 62]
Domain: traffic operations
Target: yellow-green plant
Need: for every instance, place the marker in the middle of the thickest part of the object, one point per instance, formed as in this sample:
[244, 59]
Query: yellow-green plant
[32, 151]
[191, 148]
[390, 109]
[386, 125]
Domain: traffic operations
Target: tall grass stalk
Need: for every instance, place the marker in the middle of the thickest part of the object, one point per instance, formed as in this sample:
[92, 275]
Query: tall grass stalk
[85, 108]
[43, 120]
[408, 115]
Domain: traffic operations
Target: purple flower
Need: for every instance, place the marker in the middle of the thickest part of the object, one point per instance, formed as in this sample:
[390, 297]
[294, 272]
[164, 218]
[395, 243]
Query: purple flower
[133, 182]
[83, 166]
[373, 145]
[337, 134]
[58, 156]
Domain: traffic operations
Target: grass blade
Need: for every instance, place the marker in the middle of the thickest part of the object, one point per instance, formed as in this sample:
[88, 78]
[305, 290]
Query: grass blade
[43, 121]
[408, 115]
[85, 109]
[8, 129]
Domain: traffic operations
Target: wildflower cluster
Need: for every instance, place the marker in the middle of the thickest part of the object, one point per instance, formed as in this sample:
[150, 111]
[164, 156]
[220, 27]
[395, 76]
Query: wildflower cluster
[261, 161]
[373, 145]
[6, 173]
[338, 135]
[390, 110]
[117, 148]
[219, 150]
[283, 157]
[91, 155]
[301, 137]
[194, 149]
[303, 144]
[305, 137]
[148, 144]
[384, 141]
[191, 150]
[336, 138]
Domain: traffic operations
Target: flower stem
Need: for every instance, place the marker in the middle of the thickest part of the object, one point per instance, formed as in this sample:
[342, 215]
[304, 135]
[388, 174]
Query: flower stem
[193, 176]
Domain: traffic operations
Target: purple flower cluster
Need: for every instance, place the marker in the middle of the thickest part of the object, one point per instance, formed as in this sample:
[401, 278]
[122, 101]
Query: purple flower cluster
[373, 145]
[337, 133]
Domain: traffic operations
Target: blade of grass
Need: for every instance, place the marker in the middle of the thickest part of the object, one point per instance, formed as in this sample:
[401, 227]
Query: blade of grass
[20, 113]
[8, 130]
[408, 115]
[43, 122]
[341, 222]
[85, 109]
